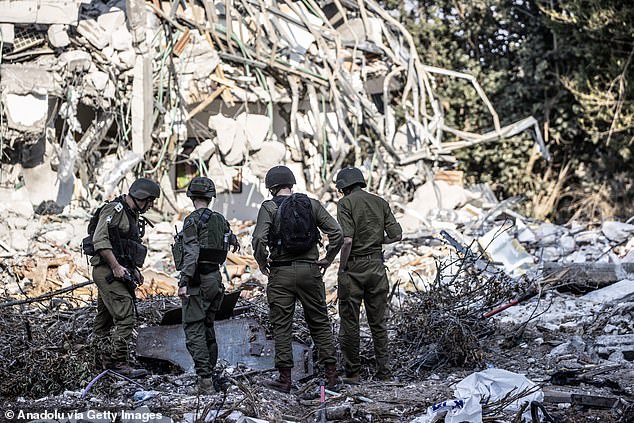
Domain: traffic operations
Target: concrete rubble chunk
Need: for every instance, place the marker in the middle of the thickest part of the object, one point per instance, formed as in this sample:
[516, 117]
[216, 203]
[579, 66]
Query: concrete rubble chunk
[121, 39]
[7, 33]
[28, 78]
[93, 32]
[112, 20]
[355, 31]
[41, 11]
[99, 80]
[26, 112]
[270, 154]
[622, 291]
[76, 60]
[617, 231]
[58, 35]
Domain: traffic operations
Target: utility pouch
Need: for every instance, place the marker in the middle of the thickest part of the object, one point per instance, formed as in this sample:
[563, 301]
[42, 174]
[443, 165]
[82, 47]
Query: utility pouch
[177, 251]
[87, 246]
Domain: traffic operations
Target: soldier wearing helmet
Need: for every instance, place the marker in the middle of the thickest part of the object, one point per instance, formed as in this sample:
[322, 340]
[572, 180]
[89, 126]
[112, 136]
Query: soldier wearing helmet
[295, 271]
[367, 223]
[117, 241]
[206, 239]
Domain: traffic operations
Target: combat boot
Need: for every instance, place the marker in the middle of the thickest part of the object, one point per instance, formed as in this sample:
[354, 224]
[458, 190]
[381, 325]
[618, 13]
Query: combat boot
[281, 384]
[125, 369]
[332, 378]
[205, 385]
[352, 379]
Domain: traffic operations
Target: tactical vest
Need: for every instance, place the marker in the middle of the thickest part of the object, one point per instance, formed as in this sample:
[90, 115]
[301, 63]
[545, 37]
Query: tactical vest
[213, 240]
[126, 246]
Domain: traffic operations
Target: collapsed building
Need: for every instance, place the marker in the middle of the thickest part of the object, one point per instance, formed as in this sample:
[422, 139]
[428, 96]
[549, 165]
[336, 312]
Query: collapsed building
[94, 92]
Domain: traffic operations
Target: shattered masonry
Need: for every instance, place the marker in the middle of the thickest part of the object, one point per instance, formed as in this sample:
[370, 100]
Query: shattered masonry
[97, 90]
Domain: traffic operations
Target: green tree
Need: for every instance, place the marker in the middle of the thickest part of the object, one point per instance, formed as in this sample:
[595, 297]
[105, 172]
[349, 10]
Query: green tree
[568, 64]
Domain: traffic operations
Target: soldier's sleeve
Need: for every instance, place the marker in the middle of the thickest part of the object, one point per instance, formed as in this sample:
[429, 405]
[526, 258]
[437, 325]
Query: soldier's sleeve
[260, 238]
[191, 250]
[110, 216]
[392, 227]
[331, 228]
[344, 216]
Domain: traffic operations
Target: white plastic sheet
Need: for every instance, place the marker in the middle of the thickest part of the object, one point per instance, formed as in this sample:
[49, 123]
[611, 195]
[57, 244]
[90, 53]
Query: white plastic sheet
[493, 384]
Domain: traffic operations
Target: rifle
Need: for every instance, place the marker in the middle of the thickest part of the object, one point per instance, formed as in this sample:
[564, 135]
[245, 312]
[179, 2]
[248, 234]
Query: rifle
[129, 279]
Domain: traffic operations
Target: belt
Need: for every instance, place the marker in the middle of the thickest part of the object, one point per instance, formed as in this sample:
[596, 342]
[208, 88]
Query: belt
[373, 256]
[288, 263]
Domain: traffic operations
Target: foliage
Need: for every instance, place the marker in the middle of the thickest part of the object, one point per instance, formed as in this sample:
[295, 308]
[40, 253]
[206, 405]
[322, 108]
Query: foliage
[568, 63]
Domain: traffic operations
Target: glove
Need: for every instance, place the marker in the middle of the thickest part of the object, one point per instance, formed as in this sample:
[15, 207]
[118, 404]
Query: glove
[233, 241]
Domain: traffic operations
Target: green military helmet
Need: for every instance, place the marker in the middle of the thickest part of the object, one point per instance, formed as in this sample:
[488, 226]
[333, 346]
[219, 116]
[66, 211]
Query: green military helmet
[279, 175]
[348, 177]
[201, 187]
[143, 189]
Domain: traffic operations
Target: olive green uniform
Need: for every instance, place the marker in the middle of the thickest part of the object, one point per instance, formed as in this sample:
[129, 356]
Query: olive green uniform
[115, 304]
[297, 277]
[365, 218]
[205, 293]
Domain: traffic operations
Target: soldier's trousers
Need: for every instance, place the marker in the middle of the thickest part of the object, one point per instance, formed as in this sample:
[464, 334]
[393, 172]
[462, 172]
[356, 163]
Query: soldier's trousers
[115, 308]
[300, 281]
[199, 313]
[365, 281]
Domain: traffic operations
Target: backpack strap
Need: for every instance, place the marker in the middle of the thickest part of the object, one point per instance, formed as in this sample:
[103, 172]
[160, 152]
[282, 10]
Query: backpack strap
[204, 218]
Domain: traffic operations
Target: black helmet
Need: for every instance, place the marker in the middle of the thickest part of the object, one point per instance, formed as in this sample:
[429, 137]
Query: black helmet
[144, 188]
[350, 176]
[201, 187]
[279, 175]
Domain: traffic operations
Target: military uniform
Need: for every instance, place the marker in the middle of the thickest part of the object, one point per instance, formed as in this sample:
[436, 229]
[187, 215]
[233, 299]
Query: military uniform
[205, 293]
[296, 276]
[364, 217]
[115, 303]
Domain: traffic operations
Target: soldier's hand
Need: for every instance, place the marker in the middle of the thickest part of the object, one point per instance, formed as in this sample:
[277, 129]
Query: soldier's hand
[119, 271]
[182, 292]
[233, 241]
[323, 263]
[139, 277]
[264, 268]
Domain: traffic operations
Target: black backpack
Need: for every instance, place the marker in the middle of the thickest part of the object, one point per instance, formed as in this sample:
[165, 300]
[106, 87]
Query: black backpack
[87, 246]
[295, 229]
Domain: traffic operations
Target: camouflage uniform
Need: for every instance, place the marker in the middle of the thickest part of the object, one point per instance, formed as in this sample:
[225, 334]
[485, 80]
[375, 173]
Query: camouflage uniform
[296, 277]
[205, 293]
[364, 217]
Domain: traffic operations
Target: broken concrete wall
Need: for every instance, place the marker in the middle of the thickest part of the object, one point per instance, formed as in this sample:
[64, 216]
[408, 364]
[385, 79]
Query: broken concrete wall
[307, 84]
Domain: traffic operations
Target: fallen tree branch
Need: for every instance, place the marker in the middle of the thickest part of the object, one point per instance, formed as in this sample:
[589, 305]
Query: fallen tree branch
[47, 295]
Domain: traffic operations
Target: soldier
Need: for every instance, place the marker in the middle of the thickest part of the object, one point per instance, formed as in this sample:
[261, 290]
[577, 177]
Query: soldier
[206, 240]
[119, 253]
[367, 223]
[285, 245]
